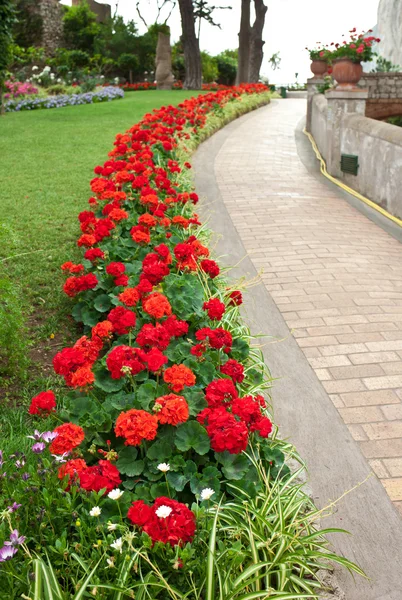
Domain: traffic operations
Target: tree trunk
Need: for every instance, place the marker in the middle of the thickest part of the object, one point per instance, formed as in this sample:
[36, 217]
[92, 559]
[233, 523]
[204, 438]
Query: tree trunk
[244, 44]
[191, 47]
[256, 41]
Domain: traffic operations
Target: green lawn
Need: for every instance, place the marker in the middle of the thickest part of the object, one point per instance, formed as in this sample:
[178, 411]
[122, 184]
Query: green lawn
[46, 162]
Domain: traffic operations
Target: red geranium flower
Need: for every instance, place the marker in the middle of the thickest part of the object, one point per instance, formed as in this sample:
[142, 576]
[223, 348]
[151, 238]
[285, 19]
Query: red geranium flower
[171, 409]
[69, 436]
[43, 404]
[215, 308]
[135, 426]
[176, 528]
[179, 376]
[122, 319]
[97, 477]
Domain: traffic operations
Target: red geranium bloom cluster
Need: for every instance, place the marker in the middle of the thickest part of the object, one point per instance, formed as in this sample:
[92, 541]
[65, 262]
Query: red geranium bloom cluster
[236, 298]
[72, 469]
[188, 252]
[75, 363]
[210, 267]
[123, 360]
[135, 426]
[220, 392]
[103, 475]
[157, 306]
[43, 404]
[69, 436]
[75, 285]
[225, 432]
[233, 369]
[122, 319]
[176, 529]
[217, 338]
[215, 308]
[171, 409]
[179, 376]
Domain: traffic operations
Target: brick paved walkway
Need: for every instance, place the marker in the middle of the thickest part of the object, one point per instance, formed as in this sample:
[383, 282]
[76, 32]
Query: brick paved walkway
[335, 276]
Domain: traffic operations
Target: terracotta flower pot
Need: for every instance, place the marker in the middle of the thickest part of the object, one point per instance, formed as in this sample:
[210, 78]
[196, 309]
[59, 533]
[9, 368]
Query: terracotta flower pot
[319, 67]
[347, 73]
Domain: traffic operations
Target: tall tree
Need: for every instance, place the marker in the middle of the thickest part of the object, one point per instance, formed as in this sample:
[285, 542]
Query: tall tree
[256, 41]
[7, 19]
[191, 47]
[244, 43]
[250, 42]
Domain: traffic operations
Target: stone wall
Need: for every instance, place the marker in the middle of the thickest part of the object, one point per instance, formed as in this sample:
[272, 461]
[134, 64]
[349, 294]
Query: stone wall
[339, 126]
[51, 12]
[382, 85]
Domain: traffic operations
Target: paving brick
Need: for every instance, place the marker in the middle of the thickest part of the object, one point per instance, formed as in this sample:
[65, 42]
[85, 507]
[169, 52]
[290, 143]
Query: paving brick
[393, 466]
[334, 349]
[329, 361]
[383, 383]
[372, 357]
[392, 412]
[356, 371]
[357, 432]
[382, 448]
[393, 487]
[343, 385]
[384, 431]
[373, 398]
[361, 414]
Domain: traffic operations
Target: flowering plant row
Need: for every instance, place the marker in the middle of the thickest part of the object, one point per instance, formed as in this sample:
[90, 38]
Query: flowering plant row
[178, 85]
[106, 94]
[162, 388]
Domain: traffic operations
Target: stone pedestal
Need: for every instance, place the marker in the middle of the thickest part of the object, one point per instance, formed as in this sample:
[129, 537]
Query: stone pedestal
[340, 103]
[163, 73]
[311, 91]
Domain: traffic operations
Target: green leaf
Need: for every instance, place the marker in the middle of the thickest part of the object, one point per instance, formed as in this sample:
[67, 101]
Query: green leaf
[146, 394]
[134, 267]
[196, 401]
[192, 435]
[127, 463]
[89, 317]
[240, 349]
[102, 303]
[106, 383]
[234, 466]
[77, 311]
[177, 481]
[160, 450]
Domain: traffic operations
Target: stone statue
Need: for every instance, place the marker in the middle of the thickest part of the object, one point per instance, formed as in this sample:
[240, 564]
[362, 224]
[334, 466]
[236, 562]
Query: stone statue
[163, 74]
[389, 29]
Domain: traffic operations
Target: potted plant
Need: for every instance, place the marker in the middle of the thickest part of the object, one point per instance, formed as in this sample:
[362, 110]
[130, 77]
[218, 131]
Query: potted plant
[348, 56]
[319, 60]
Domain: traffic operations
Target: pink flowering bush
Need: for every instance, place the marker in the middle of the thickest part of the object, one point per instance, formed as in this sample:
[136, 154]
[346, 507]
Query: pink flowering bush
[18, 88]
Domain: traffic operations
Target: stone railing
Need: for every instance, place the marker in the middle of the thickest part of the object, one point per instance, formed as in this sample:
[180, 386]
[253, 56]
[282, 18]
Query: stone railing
[384, 94]
[339, 125]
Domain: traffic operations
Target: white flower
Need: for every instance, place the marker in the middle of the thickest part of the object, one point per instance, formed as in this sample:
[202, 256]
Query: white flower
[59, 80]
[116, 80]
[35, 68]
[110, 563]
[95, 511]
[52, 75]
[60, 458]
[115, 494]
[164, 467]
[111, 526]
[102, 77]
[47, 69]
[163, 511]
[118, 545]
[207, 493]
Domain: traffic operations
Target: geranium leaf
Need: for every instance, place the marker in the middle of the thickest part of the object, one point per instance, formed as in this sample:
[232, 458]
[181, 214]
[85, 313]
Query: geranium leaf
[234, 466]
[192, 435]
[196, 401]
[106, 383]
[127, 461]
[102, 303]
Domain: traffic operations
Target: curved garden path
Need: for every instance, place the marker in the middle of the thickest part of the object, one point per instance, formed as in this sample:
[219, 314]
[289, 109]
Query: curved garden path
[330, 295]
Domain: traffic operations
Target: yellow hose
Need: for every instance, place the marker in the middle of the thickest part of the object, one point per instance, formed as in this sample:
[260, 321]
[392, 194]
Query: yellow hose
[324, 171]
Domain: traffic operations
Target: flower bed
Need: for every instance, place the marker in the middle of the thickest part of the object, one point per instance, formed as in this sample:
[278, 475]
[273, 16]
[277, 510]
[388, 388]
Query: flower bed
[178, 85]
[167, 478]
[106, 94]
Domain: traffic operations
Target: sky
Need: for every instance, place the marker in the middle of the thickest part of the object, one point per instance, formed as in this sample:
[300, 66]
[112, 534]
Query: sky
[290, 26]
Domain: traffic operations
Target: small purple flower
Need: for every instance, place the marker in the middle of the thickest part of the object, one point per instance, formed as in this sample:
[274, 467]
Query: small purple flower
[7, 552]
[49, 436]
[15, 539]
[39, 447]
[61, 458]
[36, 436]
[14, 507]
[20, 463]
[26, 476]
[1, 458]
